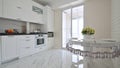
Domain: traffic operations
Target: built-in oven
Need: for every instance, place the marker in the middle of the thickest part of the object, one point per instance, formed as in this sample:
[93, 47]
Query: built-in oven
[41, 40]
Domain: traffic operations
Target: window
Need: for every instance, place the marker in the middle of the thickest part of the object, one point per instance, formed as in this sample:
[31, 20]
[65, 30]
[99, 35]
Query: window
[73, 24]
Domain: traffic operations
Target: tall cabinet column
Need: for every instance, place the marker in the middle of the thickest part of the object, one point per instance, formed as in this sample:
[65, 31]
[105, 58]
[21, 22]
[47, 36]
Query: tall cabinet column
[49, 24]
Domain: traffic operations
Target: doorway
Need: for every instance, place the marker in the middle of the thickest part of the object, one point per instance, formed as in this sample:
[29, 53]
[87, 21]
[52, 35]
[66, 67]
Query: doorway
[72, 24]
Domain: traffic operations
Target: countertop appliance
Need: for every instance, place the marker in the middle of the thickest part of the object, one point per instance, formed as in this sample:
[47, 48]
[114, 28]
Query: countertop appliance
[41, 40]
[50, 34]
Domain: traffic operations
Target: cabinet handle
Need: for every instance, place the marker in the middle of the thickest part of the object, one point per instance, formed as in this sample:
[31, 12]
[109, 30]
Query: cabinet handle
[19, 7]
[27, 47]
[27, 40]
[27, 37]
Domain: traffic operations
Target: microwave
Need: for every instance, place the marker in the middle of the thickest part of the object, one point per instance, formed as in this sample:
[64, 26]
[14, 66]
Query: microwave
[50, 34]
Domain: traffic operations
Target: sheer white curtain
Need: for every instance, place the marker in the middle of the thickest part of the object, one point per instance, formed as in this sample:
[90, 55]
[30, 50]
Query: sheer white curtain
[66, 27]
[77, 22]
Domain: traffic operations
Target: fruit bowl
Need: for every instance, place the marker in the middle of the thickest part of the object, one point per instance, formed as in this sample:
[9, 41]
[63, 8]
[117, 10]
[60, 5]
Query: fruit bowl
[9, 31]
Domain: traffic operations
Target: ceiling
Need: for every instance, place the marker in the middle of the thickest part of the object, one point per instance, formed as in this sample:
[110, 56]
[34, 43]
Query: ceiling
[58, 3]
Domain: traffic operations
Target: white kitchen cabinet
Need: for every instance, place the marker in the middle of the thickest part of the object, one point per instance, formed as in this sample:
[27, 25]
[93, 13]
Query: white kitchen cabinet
[26, 10]
[17, 9]
[50, 43]
[1, 8]
[49, 24]
[49, 19]
[37, 13]
[12, 9]
[9, 48]
[26, 45]
[22, 10]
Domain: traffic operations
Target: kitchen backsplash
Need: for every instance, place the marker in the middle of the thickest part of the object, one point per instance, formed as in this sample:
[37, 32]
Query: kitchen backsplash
[20, 26]
[10, 24]
[34, 27]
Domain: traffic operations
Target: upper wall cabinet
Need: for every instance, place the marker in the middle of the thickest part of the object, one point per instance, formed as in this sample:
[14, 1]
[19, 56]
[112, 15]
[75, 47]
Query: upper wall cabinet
[49, 18]
[23, 10]
[37, 13]
[17, 9]
[0, 8]
[26, 9]
[12, 9]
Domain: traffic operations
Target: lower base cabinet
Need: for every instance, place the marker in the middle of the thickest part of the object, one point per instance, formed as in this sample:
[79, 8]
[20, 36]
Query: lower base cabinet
[50, 43]
[26, 45]
[12, 47]
[9, 48]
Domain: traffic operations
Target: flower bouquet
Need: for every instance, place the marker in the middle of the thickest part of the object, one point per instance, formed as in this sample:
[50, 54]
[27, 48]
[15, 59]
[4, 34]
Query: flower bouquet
[88, 33]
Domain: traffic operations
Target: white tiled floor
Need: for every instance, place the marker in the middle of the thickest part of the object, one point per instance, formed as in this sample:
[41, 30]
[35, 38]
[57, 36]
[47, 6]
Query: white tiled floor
[57, 59]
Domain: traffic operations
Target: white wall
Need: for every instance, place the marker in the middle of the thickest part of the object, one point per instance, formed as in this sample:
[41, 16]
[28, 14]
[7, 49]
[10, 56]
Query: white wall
[116, 26]
[97, 14]
[116, 19]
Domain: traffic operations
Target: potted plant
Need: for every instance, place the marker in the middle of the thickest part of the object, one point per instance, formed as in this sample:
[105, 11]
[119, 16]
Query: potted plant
[88, 32]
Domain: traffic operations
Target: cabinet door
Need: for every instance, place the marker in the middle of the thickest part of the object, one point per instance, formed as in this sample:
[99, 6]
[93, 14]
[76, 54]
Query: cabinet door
[50, 43]
[26, 10]
[1, 8]
[40, 15]
[12, 9]
[26, 45]
[50, 20]
[37, 13]
[9, 48]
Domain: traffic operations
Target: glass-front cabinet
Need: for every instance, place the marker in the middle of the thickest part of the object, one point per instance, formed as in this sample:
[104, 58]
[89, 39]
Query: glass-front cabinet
[37, 13]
